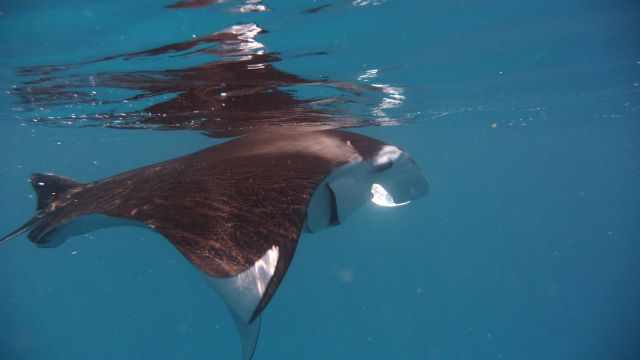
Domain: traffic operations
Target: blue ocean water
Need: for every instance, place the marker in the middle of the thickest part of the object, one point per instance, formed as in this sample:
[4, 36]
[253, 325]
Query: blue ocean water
[524, 117]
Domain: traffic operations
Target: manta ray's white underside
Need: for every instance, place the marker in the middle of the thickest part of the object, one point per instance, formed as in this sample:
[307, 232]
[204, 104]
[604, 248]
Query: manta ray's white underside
[242, 294]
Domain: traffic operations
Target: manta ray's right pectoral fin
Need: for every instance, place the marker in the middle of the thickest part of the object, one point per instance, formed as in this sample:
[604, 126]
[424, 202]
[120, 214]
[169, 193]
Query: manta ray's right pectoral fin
[244, 293]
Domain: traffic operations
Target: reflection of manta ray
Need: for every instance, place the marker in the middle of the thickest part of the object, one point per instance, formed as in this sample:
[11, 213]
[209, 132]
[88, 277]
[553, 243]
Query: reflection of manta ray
[241, 92]
[236, 210]
[248, 6]
[193, 4]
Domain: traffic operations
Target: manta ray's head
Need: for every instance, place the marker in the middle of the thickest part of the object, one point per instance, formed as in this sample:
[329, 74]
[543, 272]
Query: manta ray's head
[397, 179]
[386, 176]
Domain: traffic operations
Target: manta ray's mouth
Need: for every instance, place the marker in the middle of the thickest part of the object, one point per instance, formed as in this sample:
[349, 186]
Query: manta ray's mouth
[381, 197]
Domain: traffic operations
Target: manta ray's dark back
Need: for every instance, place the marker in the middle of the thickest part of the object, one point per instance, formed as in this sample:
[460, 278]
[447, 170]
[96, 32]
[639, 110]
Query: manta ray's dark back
[235, 210]
[222, 207]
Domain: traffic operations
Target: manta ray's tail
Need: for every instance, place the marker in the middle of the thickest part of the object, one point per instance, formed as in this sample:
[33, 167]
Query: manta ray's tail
[48, 188]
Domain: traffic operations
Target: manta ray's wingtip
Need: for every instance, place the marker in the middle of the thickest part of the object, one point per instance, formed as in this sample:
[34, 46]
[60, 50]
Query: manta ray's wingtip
[48, 187]
[12, 234]
[19, 231]
[249, 335]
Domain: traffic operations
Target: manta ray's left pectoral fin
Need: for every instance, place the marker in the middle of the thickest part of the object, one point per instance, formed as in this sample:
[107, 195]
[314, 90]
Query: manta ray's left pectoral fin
[249, 333]
[249, 292]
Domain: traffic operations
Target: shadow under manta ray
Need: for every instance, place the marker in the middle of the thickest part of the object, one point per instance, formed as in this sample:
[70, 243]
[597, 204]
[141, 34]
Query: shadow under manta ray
[237, 209]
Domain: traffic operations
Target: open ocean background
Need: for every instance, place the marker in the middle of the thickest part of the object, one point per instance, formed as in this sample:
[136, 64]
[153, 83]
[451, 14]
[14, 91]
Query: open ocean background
[525, 117]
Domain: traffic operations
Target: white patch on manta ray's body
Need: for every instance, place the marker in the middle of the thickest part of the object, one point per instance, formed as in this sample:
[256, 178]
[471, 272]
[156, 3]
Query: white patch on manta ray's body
[242, 294]
[387, 154]
[381, 197]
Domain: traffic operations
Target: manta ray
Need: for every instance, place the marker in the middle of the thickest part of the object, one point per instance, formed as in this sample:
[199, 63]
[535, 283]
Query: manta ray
[236, 210]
